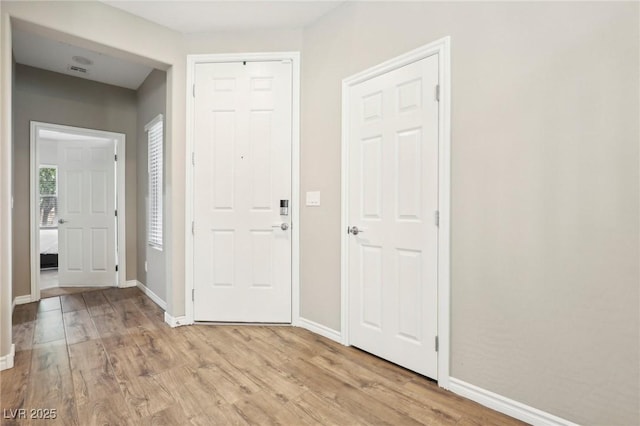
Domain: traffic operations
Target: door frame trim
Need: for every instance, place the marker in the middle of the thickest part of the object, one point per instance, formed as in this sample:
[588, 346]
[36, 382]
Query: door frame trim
[441, 47]
[121, 246]
[192, 61]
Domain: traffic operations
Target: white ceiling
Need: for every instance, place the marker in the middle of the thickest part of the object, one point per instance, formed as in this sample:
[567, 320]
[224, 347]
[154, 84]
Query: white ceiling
[231, 15]
[41, 52]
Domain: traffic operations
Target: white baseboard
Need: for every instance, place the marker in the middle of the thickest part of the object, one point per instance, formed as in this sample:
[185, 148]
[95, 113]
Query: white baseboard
[175, 321]
[320, 329]
[156, 299]
[6, 361]
[20, 300]
[129, 283]
[505, 405]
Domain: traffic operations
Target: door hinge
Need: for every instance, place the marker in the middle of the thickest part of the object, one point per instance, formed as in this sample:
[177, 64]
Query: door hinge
[116, 213]
[193, 90]
[116, 268]
[193, 294]
[438, 93]
[115, 157]
[436, 215]
[437, 344]
[193, 228]
[193, 158]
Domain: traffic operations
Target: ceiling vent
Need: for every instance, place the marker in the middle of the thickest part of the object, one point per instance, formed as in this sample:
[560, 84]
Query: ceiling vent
[82, 60]
[76, 69]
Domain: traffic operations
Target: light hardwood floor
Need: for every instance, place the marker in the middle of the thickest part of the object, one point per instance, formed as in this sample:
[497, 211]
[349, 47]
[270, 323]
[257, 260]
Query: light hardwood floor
[49, 285]
[107, 357]
[62, 291]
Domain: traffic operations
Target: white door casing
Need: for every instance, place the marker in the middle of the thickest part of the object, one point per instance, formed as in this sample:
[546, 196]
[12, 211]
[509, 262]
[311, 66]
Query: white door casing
[393, 201]
[87, 221]
[243, 165]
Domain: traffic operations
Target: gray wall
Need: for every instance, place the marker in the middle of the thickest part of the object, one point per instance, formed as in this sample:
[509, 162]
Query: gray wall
[56, 98]
[545, 248]
[152, 100]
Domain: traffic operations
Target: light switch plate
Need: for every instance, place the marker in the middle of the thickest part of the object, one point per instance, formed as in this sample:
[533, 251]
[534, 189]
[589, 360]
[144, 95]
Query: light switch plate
[313, 198]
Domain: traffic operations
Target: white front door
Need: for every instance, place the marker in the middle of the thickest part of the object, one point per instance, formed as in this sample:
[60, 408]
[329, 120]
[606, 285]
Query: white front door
[392, 200]
[242, 171]
[86, 218]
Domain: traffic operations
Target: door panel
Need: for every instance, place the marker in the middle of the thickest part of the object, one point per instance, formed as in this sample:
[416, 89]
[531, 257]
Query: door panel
[86, 202]
[393, 197]
[371, 283]
[242, 263]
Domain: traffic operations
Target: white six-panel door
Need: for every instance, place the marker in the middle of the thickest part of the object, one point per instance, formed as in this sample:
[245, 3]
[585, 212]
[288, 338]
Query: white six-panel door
[392, 200]
[87, 222]
[242, 147]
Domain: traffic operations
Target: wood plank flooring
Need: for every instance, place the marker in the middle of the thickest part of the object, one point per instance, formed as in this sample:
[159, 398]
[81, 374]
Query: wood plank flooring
[106, 357]
[61, 291]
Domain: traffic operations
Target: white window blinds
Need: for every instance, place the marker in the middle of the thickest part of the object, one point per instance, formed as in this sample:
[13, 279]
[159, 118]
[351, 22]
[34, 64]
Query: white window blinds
[154, 227]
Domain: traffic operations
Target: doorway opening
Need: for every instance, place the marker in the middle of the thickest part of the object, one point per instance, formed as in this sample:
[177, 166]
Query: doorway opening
[77, 209]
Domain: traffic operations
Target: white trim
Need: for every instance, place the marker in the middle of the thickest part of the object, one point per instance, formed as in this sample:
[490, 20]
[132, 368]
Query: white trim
[6, 361]
[156, 299]
[20, 300]
[320, 329]
[444, 206]
[175, 321]
[150, 124]
[192, 60]
[128, 284]
[120, 141]
[505, 405]
[441, 48]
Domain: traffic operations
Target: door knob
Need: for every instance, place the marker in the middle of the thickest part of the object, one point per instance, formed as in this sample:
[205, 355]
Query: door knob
[354, 230]
[284, 226]
[61, 221]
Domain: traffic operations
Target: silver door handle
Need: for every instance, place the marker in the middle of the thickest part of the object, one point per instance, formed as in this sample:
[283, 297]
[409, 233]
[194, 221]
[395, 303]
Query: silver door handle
[354, 230]
[61, 221]
[284, 226]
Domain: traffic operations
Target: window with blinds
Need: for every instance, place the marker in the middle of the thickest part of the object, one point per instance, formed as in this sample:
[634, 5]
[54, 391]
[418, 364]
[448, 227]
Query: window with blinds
[154, 227]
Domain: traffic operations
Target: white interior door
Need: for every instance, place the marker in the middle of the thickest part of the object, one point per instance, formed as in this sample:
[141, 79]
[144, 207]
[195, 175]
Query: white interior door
[86, 219]
[392, 200]
[242, 244]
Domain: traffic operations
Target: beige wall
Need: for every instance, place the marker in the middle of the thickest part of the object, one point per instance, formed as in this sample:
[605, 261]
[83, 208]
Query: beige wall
[151, 101]
[60, 99]
[244, 41]
[545, 249]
